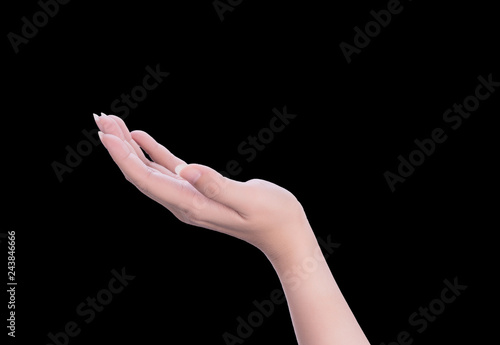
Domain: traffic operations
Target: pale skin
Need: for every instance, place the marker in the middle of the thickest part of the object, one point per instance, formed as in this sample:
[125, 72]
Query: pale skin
[259, 212]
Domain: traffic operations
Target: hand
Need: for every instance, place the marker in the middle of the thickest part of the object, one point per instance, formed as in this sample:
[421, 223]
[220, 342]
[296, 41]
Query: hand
[257, 211]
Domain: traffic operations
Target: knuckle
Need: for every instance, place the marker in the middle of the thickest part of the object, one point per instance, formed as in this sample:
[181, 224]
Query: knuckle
[189, 216]
[143, 182]
[129, 179]
[212, 190]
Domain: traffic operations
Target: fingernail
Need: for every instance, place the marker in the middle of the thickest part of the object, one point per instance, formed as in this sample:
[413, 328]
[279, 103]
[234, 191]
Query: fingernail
[100, 135]
[179, 168]
[96, 117]
[102, 114]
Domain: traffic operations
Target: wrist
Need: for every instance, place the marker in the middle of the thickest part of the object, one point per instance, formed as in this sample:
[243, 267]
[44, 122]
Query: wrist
[298, 249]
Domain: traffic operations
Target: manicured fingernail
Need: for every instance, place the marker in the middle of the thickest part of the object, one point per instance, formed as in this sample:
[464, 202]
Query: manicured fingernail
[96, 117]
[102, 114]
[179, 168]
[100, 135]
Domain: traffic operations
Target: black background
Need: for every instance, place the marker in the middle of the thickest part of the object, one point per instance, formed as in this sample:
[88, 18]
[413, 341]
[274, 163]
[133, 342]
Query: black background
[353, 120]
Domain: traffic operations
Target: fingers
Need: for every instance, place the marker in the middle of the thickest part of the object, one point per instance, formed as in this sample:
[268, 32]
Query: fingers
[157, 152]
[122, 126]
[111, 124]
[149, 180]
[127, 137]
[114, 125]
[199, 195]
[210, 183]
[148, 176]
[107, 125]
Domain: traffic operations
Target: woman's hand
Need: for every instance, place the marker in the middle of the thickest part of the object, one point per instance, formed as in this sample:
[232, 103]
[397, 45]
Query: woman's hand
[257, 211]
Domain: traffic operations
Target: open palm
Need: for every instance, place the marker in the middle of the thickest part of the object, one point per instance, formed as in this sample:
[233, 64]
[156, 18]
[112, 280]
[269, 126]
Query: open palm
[256, 211]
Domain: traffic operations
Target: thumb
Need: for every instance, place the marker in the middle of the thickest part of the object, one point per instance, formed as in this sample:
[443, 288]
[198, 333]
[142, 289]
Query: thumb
[213, 185]
[190, 173]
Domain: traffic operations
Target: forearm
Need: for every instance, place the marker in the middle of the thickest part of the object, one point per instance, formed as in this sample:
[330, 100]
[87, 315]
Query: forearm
[320, 314]
[257, 211]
